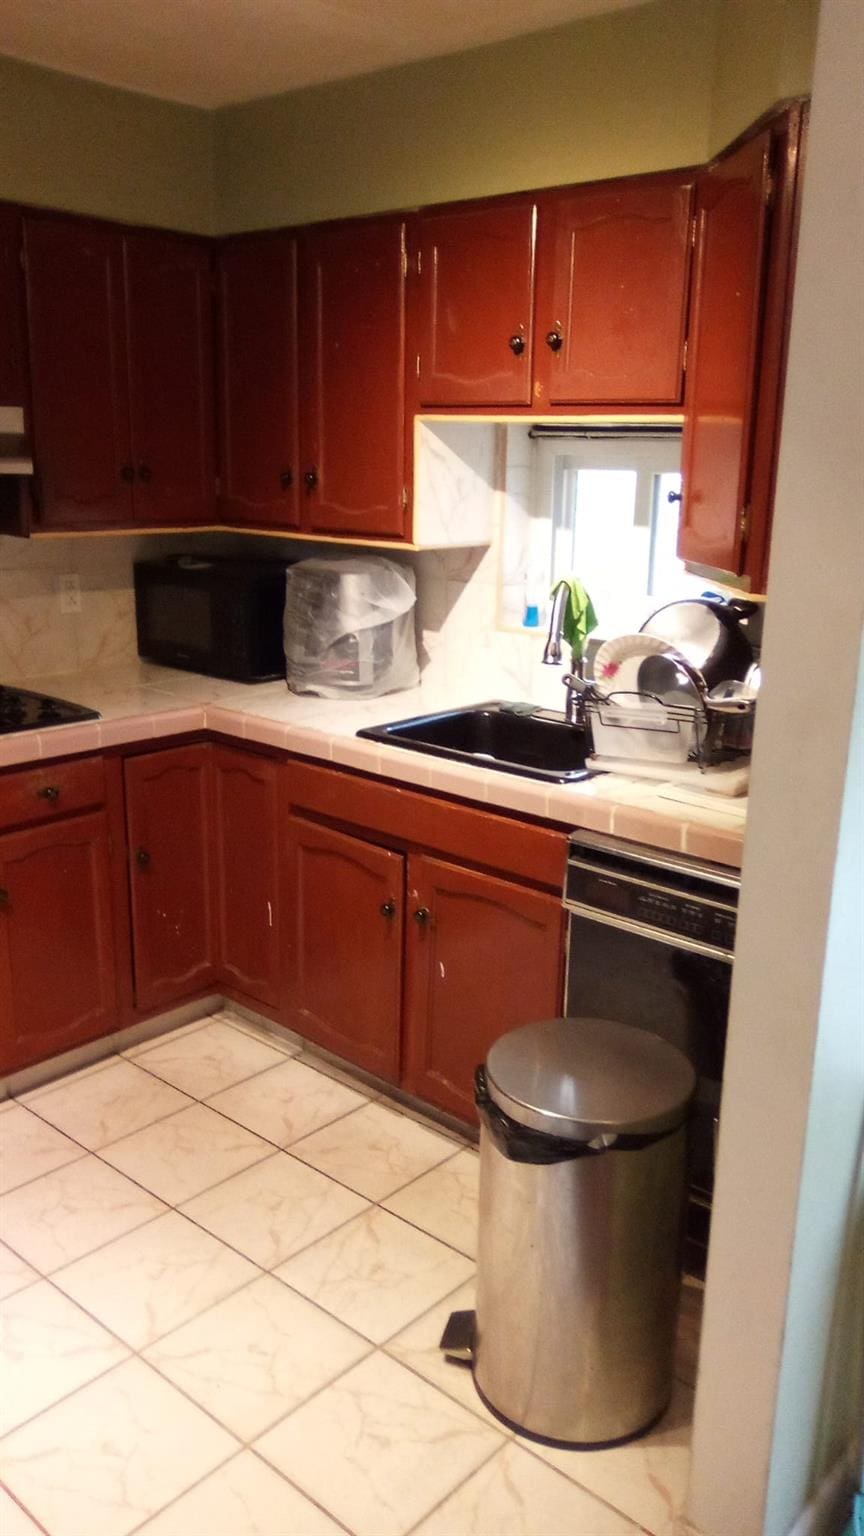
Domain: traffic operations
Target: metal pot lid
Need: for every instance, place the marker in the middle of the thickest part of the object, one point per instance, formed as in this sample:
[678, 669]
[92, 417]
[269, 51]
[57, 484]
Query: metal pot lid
[691, 625]
[583, 1078]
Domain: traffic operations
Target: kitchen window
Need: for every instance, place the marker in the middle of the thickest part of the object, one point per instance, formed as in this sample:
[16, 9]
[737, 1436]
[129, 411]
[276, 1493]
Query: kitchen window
[597, 506]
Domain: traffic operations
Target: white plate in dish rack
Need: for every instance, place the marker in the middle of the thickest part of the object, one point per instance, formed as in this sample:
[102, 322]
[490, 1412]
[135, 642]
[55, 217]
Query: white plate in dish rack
[617, 663]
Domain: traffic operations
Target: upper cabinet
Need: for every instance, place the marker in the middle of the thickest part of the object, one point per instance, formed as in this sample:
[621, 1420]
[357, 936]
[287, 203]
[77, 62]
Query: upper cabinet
[475, 264]
[121, 364]
[169, 316]
[12, 371]
[353, 448]
[745, 228]
[612, 279]
[604, 323]
[78, 364]
[730, 257]
[653, 295]
[258, 391]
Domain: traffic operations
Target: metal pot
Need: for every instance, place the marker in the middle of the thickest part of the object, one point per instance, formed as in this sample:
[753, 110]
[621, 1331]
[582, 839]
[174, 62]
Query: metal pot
[708, 634]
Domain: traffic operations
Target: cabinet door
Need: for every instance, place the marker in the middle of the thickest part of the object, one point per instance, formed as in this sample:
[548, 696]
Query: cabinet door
[484, 956]
[11, 307]
[168, 805]
[343, 909]
[353, 359]
[58, 969]
[258, 382]
[476, 303]
[613, 272]
[724, 342]
[246, 872]
[78, 372]
[170, 330]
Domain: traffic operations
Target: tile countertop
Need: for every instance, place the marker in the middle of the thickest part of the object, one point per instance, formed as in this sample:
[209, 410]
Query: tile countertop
[141, 702]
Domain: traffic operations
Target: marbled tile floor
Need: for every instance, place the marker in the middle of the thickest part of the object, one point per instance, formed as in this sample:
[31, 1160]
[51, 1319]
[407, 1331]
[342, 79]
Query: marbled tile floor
[225, 1270]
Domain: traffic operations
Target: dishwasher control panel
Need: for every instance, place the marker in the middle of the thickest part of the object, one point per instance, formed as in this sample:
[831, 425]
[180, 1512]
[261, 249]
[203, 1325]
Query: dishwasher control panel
[667, 893]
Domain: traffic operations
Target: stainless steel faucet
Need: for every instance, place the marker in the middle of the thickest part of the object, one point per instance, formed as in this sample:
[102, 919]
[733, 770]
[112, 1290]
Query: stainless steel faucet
[553, 653]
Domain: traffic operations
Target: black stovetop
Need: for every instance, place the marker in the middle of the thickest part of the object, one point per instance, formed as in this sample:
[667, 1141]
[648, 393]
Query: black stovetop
[24, 711]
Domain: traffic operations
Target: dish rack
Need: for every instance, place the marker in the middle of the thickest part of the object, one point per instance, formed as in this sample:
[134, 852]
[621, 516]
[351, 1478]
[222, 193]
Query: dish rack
[638, 727]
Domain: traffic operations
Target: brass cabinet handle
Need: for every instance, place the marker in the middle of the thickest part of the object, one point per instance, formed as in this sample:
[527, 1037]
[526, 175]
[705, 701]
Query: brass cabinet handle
[49, 792]
[143, 858]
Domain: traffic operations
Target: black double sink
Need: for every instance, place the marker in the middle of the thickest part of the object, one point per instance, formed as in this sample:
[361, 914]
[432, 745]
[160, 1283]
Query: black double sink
[516, 738]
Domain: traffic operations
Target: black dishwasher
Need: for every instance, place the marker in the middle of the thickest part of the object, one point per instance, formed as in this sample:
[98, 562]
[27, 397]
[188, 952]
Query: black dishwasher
[651, 937]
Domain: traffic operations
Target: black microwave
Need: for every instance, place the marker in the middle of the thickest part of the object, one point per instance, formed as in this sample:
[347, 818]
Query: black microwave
[219, 616]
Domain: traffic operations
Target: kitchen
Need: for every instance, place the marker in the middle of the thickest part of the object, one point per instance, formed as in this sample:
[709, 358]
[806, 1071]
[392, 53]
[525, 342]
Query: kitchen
[522, 176]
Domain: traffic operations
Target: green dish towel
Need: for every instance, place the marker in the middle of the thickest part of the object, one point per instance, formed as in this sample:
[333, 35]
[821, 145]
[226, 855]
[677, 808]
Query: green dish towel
[579, 615]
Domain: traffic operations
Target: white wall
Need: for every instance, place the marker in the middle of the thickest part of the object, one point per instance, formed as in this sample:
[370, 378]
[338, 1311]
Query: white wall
[794, 1082]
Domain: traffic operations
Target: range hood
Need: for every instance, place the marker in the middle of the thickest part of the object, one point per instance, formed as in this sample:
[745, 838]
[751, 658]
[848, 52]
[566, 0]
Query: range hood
[14, 458]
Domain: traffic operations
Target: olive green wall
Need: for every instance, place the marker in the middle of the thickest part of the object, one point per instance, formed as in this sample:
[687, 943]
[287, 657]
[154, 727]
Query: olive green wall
[661, 85]
[764, 53]
[67, 143]
[618, 93]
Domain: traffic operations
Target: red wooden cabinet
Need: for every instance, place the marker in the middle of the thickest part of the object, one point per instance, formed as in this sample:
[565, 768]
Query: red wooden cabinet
[476, 298]
[731, 244]
[258, 391]
[168, 810]
[612, 284]
[748, 205]
[170, 349]
[12, 370]
[484, 956]
[58, 966]
[77, 336]
[246, 873]
[121, 356]
[353, 349]
[343, 913]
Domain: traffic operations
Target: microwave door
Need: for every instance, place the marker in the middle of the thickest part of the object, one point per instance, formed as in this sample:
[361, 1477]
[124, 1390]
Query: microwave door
[177, 624]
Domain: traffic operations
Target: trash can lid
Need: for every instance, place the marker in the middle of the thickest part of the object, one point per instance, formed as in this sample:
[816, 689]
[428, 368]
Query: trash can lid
[582, 1078]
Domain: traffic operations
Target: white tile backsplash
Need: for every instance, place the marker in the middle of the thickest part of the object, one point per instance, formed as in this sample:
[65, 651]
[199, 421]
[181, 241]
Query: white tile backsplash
[458, 602]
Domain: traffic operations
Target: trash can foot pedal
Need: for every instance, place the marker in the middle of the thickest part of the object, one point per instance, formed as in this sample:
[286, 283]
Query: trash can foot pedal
[457, 1340]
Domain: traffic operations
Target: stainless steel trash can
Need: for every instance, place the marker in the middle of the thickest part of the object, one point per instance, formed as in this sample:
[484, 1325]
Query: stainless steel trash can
[582, 1186]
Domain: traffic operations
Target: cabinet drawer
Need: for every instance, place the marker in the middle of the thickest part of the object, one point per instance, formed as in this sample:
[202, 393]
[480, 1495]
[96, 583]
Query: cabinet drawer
[39, 794]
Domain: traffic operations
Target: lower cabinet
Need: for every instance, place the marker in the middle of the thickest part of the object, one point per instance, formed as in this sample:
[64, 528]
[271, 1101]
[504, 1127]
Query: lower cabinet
[344, 909]
[168, 811]
[411, 966]
[246, 873]
[58, 965]
[401, 960]
[483, 956]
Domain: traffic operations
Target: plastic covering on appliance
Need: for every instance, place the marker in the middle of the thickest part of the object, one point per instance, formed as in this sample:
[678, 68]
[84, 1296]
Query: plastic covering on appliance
[349, 627]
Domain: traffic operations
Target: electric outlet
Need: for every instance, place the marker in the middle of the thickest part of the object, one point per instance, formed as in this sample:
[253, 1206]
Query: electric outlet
[69, 588]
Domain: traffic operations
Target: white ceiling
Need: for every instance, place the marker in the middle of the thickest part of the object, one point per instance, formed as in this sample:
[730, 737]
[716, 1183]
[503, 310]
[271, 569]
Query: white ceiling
[211, 52]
